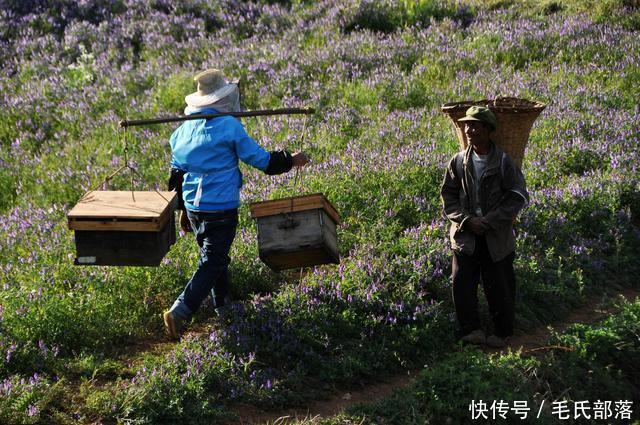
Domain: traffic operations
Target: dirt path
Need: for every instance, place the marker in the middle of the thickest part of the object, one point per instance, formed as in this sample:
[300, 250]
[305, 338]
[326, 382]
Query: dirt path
[324, 408]
[536, 339]
[530, 342]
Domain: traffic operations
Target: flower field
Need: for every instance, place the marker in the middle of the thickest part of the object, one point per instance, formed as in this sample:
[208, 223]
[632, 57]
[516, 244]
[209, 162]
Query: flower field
[77, 343]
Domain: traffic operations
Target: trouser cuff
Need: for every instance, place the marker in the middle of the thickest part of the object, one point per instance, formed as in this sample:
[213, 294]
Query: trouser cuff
[181, 310]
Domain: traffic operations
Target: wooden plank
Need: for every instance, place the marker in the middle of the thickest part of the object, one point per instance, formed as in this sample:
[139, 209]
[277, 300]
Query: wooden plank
[120, 224]
[121, 204]
[293, 204]
[117, 211]
[117, 225]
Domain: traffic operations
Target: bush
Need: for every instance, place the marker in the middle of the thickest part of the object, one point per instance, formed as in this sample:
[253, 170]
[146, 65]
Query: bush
[387, 16]
[25, 400]
[8, 191]
[607, 351]
[579, 161]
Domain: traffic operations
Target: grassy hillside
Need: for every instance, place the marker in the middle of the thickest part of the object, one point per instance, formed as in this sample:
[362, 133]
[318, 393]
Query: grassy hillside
[376, 72]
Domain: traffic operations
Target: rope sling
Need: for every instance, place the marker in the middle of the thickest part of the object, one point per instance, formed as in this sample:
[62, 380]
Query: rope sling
[134, 173]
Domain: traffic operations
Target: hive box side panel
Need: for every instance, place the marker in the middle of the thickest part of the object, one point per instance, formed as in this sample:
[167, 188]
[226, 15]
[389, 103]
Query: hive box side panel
[329, 234]
[301, 239]
[289, 231]
[124, 248]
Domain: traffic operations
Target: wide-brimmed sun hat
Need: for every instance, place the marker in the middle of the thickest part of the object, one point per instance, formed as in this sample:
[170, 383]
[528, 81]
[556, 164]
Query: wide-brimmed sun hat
[212, 86]
[482, 114]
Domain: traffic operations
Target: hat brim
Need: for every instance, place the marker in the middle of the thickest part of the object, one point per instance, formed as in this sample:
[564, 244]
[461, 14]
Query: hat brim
[470, 118]
[198, 100]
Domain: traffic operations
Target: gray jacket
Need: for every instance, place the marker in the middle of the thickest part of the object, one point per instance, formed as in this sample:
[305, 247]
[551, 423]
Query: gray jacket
[503, 194]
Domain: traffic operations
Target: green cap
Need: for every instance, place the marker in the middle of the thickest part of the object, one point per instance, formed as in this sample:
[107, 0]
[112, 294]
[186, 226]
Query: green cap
[482, 114]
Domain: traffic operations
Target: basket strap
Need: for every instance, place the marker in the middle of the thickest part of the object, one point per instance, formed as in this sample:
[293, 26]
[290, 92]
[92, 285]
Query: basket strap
[458, 166]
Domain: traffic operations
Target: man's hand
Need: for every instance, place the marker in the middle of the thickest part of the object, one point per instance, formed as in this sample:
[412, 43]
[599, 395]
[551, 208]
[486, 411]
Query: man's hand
[477, 225]
[185, 224]
[300, 159]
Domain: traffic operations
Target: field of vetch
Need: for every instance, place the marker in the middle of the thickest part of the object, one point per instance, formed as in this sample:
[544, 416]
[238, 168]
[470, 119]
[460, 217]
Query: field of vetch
[376, 72]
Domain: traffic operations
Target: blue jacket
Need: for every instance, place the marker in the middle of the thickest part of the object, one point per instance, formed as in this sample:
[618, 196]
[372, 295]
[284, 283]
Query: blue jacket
[208, 152]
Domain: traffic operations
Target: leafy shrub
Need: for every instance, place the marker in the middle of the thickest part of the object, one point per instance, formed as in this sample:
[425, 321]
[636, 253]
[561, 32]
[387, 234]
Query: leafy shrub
[578, 161]
[386, 16]
[630, 198]
[52, 16]
[169, 93]
[375, 15]
[24, 400]
[189, 385]
[607, 350]
[7, 189]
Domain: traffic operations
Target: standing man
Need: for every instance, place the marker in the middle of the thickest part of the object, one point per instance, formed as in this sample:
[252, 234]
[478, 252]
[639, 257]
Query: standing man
[482, 193]
[205, 173]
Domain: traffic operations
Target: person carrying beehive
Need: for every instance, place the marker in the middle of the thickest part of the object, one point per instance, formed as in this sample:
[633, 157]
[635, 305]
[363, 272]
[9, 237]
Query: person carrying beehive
[482, 193]
[205, 173]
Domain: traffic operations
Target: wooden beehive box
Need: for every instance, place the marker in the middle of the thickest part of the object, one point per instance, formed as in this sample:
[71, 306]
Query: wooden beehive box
[296, 232]
[114, 228]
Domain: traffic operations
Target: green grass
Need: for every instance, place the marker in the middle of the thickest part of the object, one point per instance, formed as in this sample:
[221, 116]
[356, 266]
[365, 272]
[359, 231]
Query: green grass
[380, 145]
[586, 362]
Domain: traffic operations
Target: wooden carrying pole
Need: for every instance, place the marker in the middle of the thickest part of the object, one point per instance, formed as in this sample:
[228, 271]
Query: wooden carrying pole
[256, 113]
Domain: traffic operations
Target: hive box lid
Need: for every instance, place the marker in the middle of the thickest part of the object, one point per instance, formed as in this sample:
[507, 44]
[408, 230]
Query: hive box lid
[294, 204]
[122, 210]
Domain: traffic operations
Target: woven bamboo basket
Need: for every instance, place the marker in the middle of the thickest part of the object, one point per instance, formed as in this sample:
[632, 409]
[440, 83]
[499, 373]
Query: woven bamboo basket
[515, 118]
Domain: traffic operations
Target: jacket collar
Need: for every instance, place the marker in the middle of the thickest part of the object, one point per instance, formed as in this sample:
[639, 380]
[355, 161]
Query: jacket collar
[495, 155]
[192, 111]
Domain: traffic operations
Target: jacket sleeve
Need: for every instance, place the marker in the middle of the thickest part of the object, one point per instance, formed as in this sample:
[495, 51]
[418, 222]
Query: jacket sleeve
[248, 150]
[279, 162]
[514, 199]
[450, 193]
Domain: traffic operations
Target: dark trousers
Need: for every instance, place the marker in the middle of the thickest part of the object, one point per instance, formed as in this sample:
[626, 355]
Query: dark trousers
[214, 233]
[498, 281]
